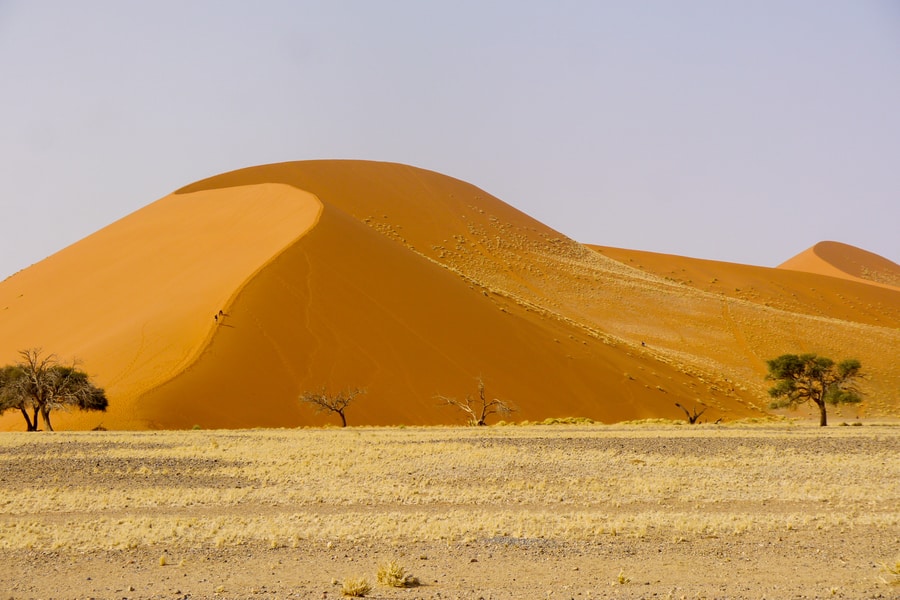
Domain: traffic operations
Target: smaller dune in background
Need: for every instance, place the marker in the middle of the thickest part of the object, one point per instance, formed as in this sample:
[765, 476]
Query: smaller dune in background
[842, 260]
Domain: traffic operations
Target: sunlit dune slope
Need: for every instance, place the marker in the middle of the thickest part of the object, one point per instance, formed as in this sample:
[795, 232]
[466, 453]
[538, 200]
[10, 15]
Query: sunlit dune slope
[758, 313]
[134, 303]
[411, 284]
[847, 262]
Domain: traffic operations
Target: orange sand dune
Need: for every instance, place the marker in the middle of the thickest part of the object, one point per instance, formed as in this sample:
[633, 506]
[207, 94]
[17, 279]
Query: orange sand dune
[134, 302]
[840, 260]
[410, 284]
[760, 312]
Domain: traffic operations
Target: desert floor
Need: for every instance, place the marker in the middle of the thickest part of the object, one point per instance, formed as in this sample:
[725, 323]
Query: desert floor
[782, 510]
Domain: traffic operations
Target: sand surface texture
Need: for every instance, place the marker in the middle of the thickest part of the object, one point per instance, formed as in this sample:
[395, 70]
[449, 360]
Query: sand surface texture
[412, 284]
[501, 512]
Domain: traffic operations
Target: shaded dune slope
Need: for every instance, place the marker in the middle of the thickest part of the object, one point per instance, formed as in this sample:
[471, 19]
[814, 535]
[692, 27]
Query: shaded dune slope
[410, 284]
[378, 317]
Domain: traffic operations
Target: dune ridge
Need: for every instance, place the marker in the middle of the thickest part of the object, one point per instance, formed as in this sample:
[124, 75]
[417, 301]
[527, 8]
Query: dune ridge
[140, 296]
[411, 284]
[847, 262]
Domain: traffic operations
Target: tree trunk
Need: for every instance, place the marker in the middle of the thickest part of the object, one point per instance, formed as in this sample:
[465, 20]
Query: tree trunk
[46, 414]
[823, 418]
[31, 427]
[34, 419]
[343, 418]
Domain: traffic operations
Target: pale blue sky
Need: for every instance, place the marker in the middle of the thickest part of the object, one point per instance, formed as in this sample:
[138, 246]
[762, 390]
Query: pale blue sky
[738, 131]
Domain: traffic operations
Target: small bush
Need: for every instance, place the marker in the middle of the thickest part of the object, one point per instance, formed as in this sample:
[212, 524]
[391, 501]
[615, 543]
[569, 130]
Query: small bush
[392, 574]
[355, 587]
[893, 572]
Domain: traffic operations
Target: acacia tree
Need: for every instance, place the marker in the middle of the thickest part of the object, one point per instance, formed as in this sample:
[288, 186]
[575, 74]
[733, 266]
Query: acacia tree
[811, 378]
[478, 409]
[38, 384]
[323, 401]
[12, 379]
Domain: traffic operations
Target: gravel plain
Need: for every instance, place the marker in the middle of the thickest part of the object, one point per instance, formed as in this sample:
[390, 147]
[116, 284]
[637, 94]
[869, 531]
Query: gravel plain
[591, 511]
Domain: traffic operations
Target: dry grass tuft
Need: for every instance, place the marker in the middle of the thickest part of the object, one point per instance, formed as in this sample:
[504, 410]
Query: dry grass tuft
[355, 587]
[892, 572]
[568, 421]
[392, 574]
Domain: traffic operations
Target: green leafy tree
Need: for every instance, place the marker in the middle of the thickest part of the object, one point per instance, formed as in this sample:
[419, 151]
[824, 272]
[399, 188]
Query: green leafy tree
[810, 378]
[39, 384]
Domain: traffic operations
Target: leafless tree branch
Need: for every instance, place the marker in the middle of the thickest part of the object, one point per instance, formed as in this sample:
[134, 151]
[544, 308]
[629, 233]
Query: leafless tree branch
[480, 408]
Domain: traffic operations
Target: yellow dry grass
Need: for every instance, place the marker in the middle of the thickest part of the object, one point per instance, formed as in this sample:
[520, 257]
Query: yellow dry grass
[90, 491]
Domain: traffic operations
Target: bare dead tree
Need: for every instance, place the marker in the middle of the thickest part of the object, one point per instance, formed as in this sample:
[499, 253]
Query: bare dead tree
[325, 401]
[478, 409]
[691, 417]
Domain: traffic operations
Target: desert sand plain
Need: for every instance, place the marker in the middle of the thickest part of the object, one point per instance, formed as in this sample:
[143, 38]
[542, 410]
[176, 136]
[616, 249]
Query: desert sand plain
[777, 510]
[212, 309]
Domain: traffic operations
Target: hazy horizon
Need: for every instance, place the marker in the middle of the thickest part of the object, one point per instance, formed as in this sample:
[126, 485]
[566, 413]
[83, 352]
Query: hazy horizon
[727, 131]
